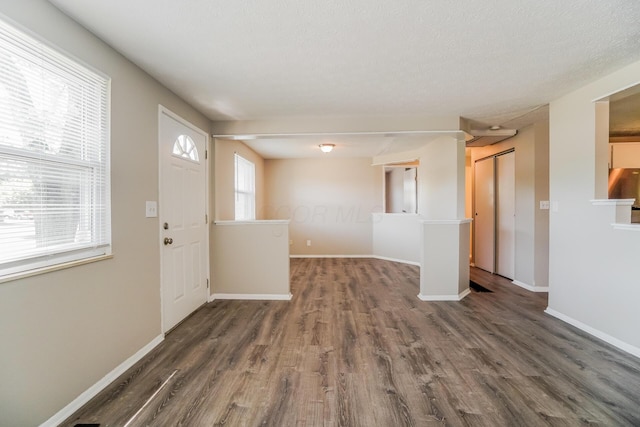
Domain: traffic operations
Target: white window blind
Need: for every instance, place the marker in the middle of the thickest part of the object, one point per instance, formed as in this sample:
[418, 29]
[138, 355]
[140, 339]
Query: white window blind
[54, 156]
[245, 189]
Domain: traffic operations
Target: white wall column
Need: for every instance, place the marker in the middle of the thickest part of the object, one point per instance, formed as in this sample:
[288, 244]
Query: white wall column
[251, 260]
[444, 274]
[445, 260]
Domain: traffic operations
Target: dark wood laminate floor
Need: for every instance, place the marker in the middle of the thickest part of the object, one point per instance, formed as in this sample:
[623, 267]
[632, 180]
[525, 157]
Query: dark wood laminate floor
[355, 347]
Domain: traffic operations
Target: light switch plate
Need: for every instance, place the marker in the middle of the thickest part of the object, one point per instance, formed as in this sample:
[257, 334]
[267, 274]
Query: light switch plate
[544, 204]
[151, 209]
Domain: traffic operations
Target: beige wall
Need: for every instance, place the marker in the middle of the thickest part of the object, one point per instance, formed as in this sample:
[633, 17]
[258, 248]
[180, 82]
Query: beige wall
[225, 178]
[593, 269]
[251, 259]
[329, 201]
[63, 331]
[531, 146]
[441, 176]
[444, 275]
[541, 218]
[397, 237]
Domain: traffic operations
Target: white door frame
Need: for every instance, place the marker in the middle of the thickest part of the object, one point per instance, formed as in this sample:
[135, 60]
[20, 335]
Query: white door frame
[494, 249]
[164, 110]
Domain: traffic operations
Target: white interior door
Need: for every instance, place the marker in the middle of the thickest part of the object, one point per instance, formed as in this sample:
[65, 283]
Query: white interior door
[505, 214]
[484, 218]
[410, 190]
[183, 221]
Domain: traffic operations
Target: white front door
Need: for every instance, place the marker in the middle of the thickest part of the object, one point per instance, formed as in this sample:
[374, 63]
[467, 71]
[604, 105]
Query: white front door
[183, 222]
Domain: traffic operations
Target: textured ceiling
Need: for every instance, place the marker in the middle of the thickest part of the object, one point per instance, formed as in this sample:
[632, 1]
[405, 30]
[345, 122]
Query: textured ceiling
[487, 60]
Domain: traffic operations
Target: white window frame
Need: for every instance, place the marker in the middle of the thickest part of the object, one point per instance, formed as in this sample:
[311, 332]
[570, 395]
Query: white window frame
[84, 162]
[245, 189]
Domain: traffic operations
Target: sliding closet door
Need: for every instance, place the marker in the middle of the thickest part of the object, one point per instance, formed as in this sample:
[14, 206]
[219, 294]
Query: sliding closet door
[484, 218]
[505, 214]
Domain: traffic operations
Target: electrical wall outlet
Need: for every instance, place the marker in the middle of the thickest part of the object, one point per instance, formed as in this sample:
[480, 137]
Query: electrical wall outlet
[308, 242]
[544, 204]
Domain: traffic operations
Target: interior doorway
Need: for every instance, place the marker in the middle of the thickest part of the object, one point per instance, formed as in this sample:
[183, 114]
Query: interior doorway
[494, 216]
[401, 188]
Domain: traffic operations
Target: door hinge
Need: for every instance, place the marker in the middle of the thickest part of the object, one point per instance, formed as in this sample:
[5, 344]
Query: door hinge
[206, 154]
[207, 283]
[206, 219]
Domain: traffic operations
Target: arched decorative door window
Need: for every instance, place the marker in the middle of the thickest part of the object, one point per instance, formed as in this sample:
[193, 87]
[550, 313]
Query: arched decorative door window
[185, 148]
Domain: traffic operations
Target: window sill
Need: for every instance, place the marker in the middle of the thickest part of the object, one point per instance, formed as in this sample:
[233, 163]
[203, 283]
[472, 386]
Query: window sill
[629, 227]
[612, 202]
[51, 268]
[621, 211]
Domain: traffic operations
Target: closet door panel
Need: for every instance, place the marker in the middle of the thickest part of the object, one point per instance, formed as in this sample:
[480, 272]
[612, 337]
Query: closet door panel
[484, 216]
[505, 215]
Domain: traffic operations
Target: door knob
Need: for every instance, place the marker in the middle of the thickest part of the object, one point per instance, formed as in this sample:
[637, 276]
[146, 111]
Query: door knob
[168, 240]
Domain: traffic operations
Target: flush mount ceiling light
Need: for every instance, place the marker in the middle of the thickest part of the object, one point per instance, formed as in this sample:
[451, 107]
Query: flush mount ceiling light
[326, 148]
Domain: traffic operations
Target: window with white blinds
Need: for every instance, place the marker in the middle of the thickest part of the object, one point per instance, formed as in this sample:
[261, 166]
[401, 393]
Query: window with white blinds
[245, 189]
[54, 156]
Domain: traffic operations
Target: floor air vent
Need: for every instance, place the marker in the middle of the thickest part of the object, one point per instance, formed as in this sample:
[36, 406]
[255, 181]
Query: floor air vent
[478, 288]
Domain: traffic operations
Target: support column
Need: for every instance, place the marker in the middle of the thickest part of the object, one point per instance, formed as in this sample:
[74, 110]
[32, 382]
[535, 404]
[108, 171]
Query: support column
[444, 275]
[444, 272]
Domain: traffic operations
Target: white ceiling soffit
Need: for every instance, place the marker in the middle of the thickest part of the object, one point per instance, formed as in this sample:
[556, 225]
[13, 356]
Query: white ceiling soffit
[487, 60]
[479, 135]
[369, 145]
[487, 137]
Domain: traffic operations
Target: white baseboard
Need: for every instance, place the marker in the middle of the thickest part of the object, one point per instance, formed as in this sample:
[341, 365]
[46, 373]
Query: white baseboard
[458, 297]
[265, 297]
[635, 351]
[402, 261]
[529, 287]
[92, 391]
